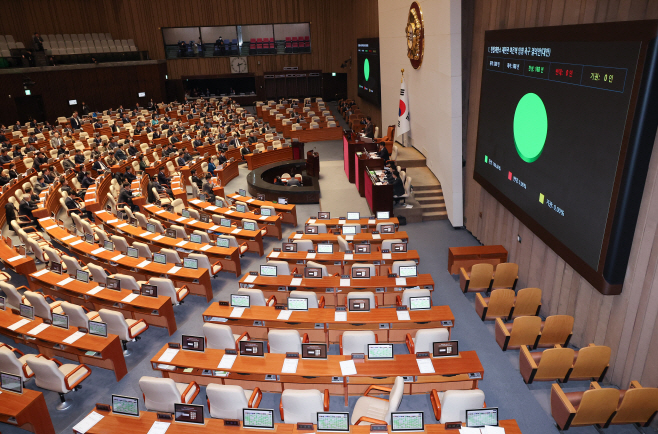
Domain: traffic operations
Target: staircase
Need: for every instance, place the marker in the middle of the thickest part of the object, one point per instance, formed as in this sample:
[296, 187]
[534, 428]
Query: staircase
[428, 193]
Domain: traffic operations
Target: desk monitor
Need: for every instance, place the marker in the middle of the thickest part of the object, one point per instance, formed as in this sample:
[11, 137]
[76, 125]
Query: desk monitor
[399, 247]
[133, 221]
[407, 421]
[282, 201]
[225, 222]
[150, 227]
[56, 267]
[249, 226]
[11, 382]
[2, 303]
[252, 348]
[132, 252]
[149, 290]
[159, 258]
[387, 229]
[205, 218]
[420, 303]
[171, 233]
[324, 215]
[126, 405]
[222, 242]
[219, 202]
[445, 349]
[297, 303]
[89, 238]
[268, 270]
[325, 248]
[257, 418]
[482, 417]
[359, 305]
[82, 276]
[97, 328]
[191, 263]
[185, 213]
[380, 351]
[289, 247]
[240, 208]
[202, 198]
[240, 300]
[353, 216]
[362, 248]
[61, 321]
[260, 196]
[113, 283]
[407, 271]
[312, 273]
[314, 351]
[383, 215]
[108, 245]
[310, 229]
[193, 343]
[188, 413]
[329, 421]
[349, 230]
[242, 192]
[266, 212]
[360, 273]
[195, 238]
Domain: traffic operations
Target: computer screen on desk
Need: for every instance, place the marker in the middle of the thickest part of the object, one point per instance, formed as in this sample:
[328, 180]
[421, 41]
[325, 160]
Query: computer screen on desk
[312, 273]
[56, 267]
[159, 258]
[314, 351]
[205, 218]
[193, 343]
[195, 238]
[11, 382]
[399, 247]
[191, 263]
[97, 328]
[89, 238]
[362, 248]
[360, 273]
[481, 417]
[383, 215]
[282, 201]
[289, 247]
[61, 321]
[268, 270]
[445, 349]
[266, 212]
[387, 229]
[353, 216]
[252, 348]
[324, 215]
[239, 300]
[125, 405]
[188, 413]
[407, 421]
[82, 276]
[359, 305]
[329, 421]
[325, 248]
[295, 303]
[349, 230]
[420, 303]
[242, 192]
[249, 226]
[150, 227]
[185, 213]
[108, 245]
[171, 233]
[240, 208]
[408, 271]
[149, 290]
[225, 222]
[222, 242]
[132, 252]
[380, 351]
[311, 229]
[257, 418]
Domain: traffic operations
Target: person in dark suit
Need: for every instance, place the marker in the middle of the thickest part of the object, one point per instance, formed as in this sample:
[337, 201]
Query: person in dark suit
[4, 158]
[40, 185]
[98, 124]
[197, 142]
[252, 138]
[76, 122]
[174, 138]
[222, 157]
[10, 214]
[67, 163]
[180, 160]
[157, 134]
[120, 155]
[278, 181]
[245, 151]
[162, 178]
[129, 175]
[32, 139]
[207, 188]
[132, 149]
[72, 204]
[369, 130]
[196, 179]
[85, 110]
[126, 197]
[27, 205]
[99, 166]
[79, 158]
[48, 177]
[37, 42]
[294, 182]
[12, 171]
[398, 186]
[383, 152]
[40, 159]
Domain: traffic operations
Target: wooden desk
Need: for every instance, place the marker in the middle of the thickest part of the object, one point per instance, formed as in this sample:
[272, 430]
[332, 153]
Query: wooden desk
[250, 372]
[363, 236]
[115, 423]
[19, 264]
[379, 197]
[314, 135]
[352, 144]
[365, 222]
[50, 342]
[28, 410]
[155, 311]
[262, 158]
[228, 256]
[288, 212]
[272, 223]
[363, 163]
[466, 257]
[229, 172]
[321, 326]
[385, 288]
[341, 263]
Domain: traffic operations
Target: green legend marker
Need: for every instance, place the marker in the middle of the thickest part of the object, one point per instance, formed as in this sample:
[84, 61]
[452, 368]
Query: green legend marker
[366, 70]
[530, 127]
[486, 159]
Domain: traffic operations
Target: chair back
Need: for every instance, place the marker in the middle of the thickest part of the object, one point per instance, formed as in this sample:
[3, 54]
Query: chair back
[311, 296]
[178, 205]
[143, 250]
[425, 338]
[204, 235]
[98, 274]
[158, 226]
[637, 406]
[301, 405]
[481, 275]
[505, 275]
[9, 363]
[41, 307]
[313, 264]
[554, 363]
[284, 341]
[47, 375]
[256, 297]
[116, 323]
[76, 314]
[303, 245]
[414, 292]
[126, 281]
[172, 256]
[120, 243]
[102, 236]
[591, 362]
[218, 336]
[141, 219]
[596, 407]
[165, 287]
[160, 394]
[528, 302]
[556, 330]
[342, 244]
[395, 268]
[14, 298]
[454, 404]
[282, 267]
[356, 341]
[53, 256]
[226, 401]
[232, 241]
[202, 260]
[525, 330]
[500, 302]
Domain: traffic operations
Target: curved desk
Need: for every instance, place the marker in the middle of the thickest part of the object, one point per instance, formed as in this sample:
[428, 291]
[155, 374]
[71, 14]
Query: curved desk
[288, 212]
[363, 236]
[255, 161]
[272, 223]
[258, 182]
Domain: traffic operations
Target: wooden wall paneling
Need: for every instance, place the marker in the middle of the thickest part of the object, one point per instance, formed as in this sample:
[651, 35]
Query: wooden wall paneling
[536, 265]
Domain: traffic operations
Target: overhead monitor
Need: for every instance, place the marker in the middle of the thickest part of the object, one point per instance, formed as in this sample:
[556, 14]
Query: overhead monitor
[407, 271]
[193, 343]
[289, 247]
[188, 413]
[353, 216]
[61, 321]
[329, 421]
[191, 263]
[368, 76]
[125, 405]
[380, 351]
[257, 418]
[141, 94]
[420, 303]
[73, 102]
[239, 300]
[252, 348]
[407, 421]
[314, 351]
[358, 305]
[268, 270]
[159, 258]
[132, 252]
[325, 248]
[295, 303]
[445, 349]
[11, 382]
[481, 417]
[149, 290]
[113, 283]
[383, 215]
[97, 328]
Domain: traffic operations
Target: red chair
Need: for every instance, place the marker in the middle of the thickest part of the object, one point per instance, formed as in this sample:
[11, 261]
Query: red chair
[295, 47]
[272, 48]
[288, 47]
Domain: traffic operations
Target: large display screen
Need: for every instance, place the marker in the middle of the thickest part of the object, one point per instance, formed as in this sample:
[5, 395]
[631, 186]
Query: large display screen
[556, 111]
[367, 59]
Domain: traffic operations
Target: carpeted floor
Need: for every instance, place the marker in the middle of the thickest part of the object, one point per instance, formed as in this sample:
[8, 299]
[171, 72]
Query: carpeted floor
[502, 384]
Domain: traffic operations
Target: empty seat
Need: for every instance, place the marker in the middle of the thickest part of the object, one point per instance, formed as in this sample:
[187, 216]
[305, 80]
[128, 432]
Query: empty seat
[451, 405]
[221, 337]
[368, 410]
[256, 297]
[160, 394]
[425, 338]
[14, 361]
[478, 280]
[595, 406]
[498, 305]
[126, 329]
[285, 341]
[51, 374]
[505, 276]
[356, 341]
[227, 401]
[525, 330]
[556, 330]
[302, 405]
[166, 287]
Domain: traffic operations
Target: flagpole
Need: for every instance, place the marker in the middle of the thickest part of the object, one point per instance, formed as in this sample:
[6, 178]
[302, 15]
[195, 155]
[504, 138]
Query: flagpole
[402, 135]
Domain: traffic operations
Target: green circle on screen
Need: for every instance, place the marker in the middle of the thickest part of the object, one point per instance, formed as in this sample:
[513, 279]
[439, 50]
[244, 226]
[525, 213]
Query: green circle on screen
[366, 69]
[530, 127]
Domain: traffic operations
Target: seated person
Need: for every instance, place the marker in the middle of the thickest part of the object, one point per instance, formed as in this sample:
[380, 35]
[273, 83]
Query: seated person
[28, 204]
[73, 204]
[278, 181]
[40, 159]
[40, 185]
[207, 187]
[126, 196]
[120, 155]
[222, 157]
[244, 150]
[129, 175]
[4, 177]
[211, 165]
[86, 180]
[162, 178]
[294, 181]
[12, 171]
[196, 179]
[383, 152]
[79, 158]
[398, 186]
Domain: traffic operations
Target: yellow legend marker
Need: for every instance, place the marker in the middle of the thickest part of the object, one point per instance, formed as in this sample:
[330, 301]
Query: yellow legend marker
[541, 198]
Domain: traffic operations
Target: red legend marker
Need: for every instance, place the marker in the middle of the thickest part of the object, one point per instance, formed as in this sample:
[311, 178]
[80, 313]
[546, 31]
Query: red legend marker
[509, 176]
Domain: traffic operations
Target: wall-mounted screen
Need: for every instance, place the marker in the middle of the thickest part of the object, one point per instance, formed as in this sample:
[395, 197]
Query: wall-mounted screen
[367, 62]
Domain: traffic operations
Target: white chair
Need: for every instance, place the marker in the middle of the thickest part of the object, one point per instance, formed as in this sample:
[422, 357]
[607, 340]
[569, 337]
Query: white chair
[362, 294]
[13, 297]
[78, 315]
[52, 375]
[180, 232]
[233, 242]
[371, 267]
[285, 341]
[98, 273]
[412, 292]
[343, 245]
[451, 405]
[204, 262]
[158, 226]
[126, 329]
[282, 267]
[141, 219]
[256, 297]
[172, 256]
[42, 308]
[395, 267]
[160, 394]
[303, 245]
[313, 264]
[221, 337]
[322, 228]
[356, 341]
[120, 243]
[425, 338]
[263, 230]
[407, 190]
[204, 235]
[368, 410]
[387, 244]
[15, 364]
[143, 250]
[227, 401]
[302, 405]
[166, 287]
[312, 298]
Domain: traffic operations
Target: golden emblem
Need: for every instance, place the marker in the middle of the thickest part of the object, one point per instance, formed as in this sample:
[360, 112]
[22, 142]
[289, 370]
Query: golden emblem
[415, 35]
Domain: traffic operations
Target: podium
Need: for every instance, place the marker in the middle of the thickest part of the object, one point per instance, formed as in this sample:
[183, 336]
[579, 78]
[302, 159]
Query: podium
[313, 164]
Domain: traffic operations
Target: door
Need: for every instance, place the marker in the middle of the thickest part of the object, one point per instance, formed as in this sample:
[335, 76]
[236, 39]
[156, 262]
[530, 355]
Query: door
[30, 107]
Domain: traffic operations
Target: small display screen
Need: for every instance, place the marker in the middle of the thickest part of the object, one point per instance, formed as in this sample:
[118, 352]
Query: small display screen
[253, 418]
[312, 272]
[325, 248]
[2, 303]
[260, 196]
[149, 290]
[349, 230]
[171, 233]
[268, 270]
[133, 221]
[150, 227]
[324, 215]
[112, 283]
[11, 383]
[159, 258]
[482, 417]
[405, 421]
[249, 226]
[185, 213]
[362, 248]
[333, 422]
[252, 348]
[420, 303]
[82, 276]
[202, 198]
[289, 247]
[297, 303]
[56, 267]
[191, 263]
[195, 238]
[314, 351]
[193, 343]
[360, 273]
[132, 252]
[218, 202]
[239, 300]
[282, 201]
[444, 349]
[225, 222]
[188, 413]
[240, 208]
[222, 242]
[380, 351]
[359, 305]
[108, 245]
[242, 192]
[205, 218]
[267, 212]
[125, 405]
[61, 321]
[399, 247]
[387, 229]
[353, 216]
[97, 328]
[311, 229]
[89, 238]
[408, 271]
[384, 215]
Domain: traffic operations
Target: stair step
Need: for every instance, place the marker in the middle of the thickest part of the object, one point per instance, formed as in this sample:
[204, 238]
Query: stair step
[431, 216]
[428, 193]
[430, 200]
[424, 187]
[433, 207]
